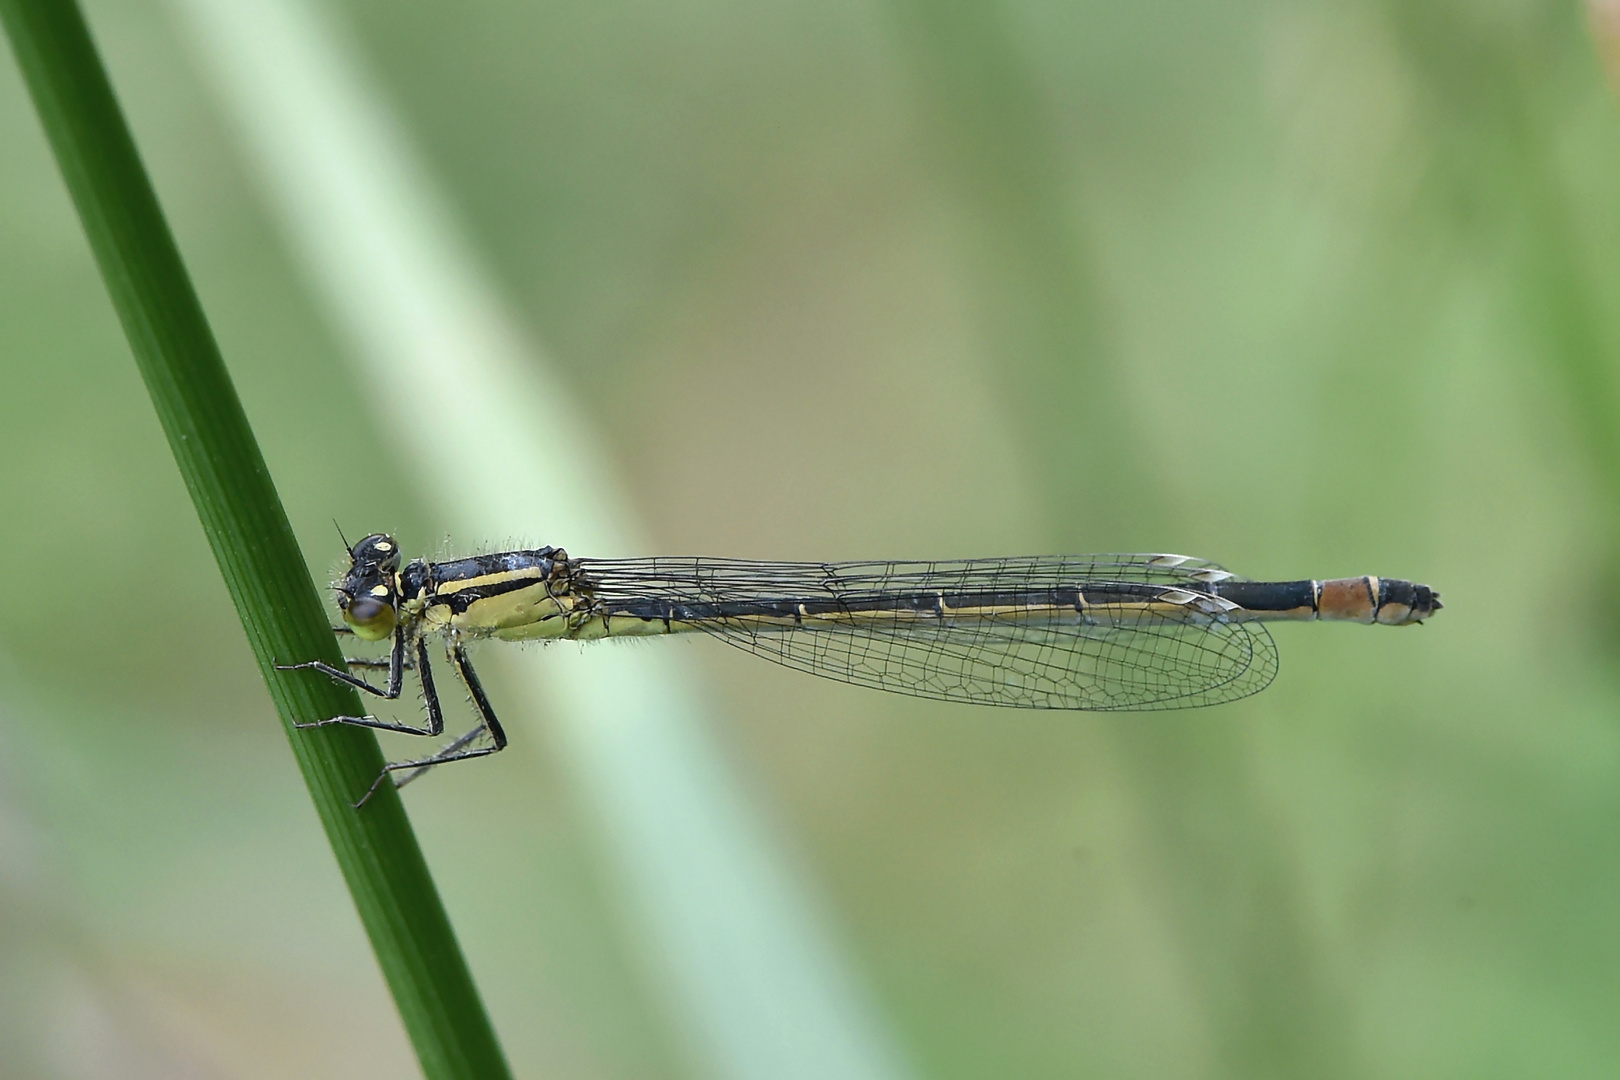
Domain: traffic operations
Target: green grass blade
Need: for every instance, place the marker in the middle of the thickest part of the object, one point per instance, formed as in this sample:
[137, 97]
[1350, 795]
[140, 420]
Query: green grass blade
[250, 535]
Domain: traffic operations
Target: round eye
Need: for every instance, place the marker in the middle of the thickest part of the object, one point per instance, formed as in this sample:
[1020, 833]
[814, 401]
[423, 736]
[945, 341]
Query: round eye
[372, 619]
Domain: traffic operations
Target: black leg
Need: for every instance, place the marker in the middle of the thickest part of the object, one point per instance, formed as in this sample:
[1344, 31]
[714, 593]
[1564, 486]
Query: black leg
[396, 673]
[364, 661]
[456, 750]
[397, 664]
[372, 664]
[486, 713]
[423, 765]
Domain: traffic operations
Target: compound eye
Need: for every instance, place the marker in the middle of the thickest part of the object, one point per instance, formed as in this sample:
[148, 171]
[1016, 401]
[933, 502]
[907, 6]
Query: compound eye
[371, 616]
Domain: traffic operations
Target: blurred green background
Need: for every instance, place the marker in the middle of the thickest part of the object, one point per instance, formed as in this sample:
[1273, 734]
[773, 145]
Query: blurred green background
[1310, 289]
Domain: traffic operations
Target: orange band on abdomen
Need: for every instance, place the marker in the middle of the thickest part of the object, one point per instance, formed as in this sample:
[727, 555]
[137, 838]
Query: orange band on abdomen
[1354, 599]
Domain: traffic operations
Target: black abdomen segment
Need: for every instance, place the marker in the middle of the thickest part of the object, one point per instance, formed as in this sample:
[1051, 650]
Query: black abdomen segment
[1389, 601]
[1280, 599]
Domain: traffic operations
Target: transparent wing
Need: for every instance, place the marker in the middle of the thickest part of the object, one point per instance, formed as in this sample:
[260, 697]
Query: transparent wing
[1010, 645]
[1031, 665]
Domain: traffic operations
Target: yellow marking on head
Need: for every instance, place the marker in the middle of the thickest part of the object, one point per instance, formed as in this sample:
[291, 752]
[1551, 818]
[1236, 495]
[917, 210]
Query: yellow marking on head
[379, 590]
[383, 545]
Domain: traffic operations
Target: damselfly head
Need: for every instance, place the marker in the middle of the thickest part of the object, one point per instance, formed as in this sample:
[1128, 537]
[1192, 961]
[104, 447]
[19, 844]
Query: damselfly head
[367, 594]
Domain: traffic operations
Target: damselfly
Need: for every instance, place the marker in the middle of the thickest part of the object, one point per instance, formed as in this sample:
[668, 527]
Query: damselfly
[1098, 632]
